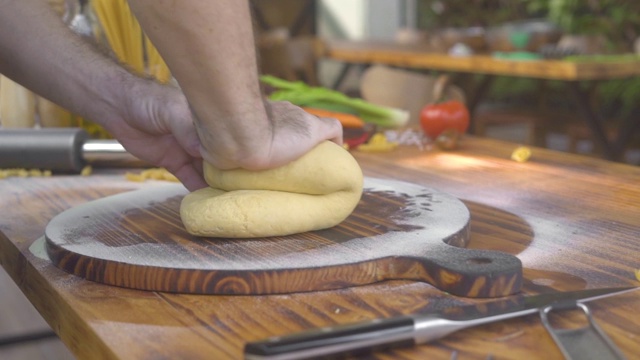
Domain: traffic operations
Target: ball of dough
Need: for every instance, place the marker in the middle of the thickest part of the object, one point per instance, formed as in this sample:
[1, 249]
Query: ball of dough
[317, 191]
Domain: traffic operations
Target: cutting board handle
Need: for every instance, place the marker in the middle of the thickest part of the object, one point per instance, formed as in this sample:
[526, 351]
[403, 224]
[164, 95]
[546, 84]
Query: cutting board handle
[461, 272]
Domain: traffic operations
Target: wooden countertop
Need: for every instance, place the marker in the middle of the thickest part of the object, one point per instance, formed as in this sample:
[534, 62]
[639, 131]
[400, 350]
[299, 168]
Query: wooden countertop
[573, 221]
[423, 57]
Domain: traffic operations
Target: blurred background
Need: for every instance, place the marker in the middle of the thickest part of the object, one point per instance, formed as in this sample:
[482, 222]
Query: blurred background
[574, 30]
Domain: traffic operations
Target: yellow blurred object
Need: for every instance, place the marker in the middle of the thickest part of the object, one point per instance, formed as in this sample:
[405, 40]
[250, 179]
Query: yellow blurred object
[86, 171]
[52, 115]
[127, 40]
[156, 66]
[378, 143]
[118, 30]
[521, 154]
[18, 172]
[57, 6]
[134, 177]
[122, 31]
[637, 274]
[17, 105]
[151, 174]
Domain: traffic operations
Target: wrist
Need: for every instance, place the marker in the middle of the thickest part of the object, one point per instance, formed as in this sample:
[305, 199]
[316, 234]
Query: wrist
[236, 139]
[111, 95]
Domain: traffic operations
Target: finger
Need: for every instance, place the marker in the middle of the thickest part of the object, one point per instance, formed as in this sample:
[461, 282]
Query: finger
[186, 135]
[188, 170]
[216, 161]
[190, 177]
[330, 129]
[191, 143]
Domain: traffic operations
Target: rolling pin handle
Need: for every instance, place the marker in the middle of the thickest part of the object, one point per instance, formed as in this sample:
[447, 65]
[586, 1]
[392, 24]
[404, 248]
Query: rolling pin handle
[57, 149]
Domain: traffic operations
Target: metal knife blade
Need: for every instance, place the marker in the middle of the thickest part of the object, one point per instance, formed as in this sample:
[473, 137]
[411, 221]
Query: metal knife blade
[411, 329]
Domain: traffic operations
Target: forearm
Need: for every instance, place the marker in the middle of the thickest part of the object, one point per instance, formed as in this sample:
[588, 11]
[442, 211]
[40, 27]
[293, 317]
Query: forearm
[42, 54]
[209, 48]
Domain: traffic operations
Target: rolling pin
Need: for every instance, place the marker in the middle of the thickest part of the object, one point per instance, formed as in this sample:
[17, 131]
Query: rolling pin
[60, 150]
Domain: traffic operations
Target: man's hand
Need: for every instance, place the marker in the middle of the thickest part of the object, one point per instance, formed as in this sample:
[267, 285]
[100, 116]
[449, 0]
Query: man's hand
[156, 126]
[154, 122]
[295, 132]
[285, 132]
[209, 47]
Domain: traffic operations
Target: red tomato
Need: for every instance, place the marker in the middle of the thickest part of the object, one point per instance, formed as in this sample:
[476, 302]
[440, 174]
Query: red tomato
[436, 118]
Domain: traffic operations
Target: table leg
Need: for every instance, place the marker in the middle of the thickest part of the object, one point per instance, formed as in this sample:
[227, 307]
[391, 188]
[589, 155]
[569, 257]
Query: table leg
[259, 18]
[628, 128]
[19, 339]
[475, 95]
[307, 14]
[341, 75]
[594, 121]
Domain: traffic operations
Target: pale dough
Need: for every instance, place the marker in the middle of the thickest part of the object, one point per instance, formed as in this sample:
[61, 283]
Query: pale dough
[317, 191]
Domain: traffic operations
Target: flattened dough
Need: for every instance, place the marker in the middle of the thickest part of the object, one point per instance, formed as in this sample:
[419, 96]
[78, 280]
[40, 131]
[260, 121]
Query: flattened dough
[317, 191]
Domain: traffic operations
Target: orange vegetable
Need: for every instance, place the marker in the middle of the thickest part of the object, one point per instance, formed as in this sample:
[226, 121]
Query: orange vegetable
[347, 120]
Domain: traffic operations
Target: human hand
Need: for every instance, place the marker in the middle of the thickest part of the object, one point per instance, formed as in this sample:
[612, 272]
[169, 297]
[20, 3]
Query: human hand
[288, 133]
[237, 129]
[296, 132]
[156, 126]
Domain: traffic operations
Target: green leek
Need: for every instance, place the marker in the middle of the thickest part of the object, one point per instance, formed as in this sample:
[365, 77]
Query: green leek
[301, 94]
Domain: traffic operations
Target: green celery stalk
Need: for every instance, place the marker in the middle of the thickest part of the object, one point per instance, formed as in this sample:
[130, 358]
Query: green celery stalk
[301, 94]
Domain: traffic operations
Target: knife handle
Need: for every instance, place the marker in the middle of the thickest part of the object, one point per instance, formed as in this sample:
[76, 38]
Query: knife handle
[353, 338]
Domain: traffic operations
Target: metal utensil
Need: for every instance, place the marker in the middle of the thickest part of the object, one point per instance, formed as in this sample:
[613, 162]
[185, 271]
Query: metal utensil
[411, 329]
[60, 149]
[585, 343]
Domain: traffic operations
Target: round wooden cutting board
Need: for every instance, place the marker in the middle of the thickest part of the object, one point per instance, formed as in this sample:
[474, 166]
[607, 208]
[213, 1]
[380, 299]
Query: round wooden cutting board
[398, 231]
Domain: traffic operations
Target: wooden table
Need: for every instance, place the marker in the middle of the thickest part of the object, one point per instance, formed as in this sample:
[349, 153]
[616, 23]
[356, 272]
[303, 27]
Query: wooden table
[573, 221]
[571, 73]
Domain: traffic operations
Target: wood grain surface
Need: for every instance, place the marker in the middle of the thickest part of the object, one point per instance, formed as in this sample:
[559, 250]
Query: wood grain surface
[397, 231]
[423, 57]
[571, 220]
